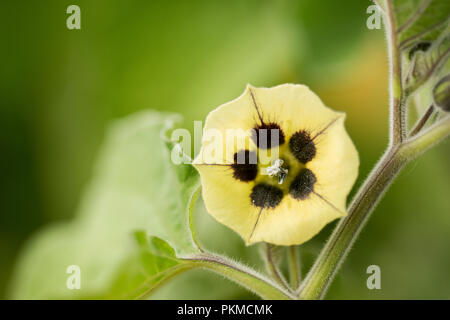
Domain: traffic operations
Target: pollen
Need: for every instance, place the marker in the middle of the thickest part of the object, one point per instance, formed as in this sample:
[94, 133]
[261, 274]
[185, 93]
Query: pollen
[278, 170]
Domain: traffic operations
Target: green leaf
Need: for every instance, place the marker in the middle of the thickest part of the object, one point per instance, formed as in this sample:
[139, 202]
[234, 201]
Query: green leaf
[420, 20]
[136, 192]
[423, 28]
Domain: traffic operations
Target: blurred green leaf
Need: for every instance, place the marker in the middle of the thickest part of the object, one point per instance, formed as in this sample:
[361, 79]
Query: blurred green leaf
[136, 192]
[155, 263]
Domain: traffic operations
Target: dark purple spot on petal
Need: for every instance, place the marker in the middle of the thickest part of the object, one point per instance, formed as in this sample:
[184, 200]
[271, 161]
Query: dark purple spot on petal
[245, 166]
[302, 146]
[268, 135]
[266, 196]
[303, 184]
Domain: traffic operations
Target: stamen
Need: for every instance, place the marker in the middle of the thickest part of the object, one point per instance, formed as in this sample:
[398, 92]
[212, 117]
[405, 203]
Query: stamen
[276, 170]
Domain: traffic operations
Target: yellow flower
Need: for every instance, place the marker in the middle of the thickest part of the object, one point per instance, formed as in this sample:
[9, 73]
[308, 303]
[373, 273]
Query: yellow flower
[300, 164]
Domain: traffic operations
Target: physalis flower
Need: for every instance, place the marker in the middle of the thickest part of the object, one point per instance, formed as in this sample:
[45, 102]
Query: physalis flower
[276, 164]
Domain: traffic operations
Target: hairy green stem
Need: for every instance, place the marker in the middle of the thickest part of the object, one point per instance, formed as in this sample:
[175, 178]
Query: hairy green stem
[242, 275]
[272, 267]
[397, 99]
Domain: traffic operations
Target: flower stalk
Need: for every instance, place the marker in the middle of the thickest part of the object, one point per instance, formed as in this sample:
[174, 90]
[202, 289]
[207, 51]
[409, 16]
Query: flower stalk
[273, 268]
[294, 267]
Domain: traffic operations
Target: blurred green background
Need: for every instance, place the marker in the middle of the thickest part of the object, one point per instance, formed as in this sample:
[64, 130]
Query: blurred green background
[60, 88]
